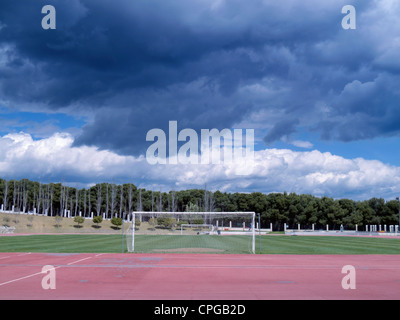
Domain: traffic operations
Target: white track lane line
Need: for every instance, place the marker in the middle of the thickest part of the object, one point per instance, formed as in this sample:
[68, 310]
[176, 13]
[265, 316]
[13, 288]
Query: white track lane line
[37, 273]
[18, 255]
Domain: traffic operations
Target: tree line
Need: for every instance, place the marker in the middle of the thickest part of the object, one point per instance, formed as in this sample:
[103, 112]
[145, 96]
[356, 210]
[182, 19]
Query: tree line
[112, 200]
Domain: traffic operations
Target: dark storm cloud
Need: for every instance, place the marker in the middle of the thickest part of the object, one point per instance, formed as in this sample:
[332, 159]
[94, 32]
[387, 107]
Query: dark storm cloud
[135, 65]
[281, 129]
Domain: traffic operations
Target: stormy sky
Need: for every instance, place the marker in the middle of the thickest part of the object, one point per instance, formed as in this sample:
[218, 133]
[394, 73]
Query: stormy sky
[76, 102]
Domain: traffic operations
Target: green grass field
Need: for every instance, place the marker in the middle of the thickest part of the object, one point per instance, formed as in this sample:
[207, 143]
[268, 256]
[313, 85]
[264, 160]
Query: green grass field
[220, 244]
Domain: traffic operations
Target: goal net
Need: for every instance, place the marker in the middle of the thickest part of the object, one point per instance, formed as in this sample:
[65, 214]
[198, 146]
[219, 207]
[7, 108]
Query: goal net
[191, 232]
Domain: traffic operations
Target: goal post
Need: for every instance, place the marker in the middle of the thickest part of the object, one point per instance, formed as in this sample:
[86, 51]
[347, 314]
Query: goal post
[191, 232]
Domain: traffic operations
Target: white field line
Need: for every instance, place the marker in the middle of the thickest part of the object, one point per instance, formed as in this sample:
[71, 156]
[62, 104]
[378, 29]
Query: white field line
[37, 273]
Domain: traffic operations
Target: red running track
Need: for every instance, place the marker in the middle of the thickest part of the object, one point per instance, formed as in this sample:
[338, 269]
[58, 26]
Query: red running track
[198, 276]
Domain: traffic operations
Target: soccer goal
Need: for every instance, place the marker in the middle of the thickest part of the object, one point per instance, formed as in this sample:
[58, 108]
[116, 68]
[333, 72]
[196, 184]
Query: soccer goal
[191, 232]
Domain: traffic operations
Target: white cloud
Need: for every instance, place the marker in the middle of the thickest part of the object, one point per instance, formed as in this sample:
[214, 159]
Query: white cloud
[275, 170]
[21, 156]
[302, 144]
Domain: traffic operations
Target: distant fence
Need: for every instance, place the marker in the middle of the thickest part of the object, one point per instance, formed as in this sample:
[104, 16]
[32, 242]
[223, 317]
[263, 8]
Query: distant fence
[373, 230]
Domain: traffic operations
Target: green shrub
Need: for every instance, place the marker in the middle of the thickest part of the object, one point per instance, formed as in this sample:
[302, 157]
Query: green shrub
[152, 223]
[117, 222]
[198, 221]
[166, 221]
[79, 220]
[97, 220]
[137, 223]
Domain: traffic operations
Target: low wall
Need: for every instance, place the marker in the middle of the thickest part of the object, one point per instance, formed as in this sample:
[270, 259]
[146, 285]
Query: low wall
[294, 232]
